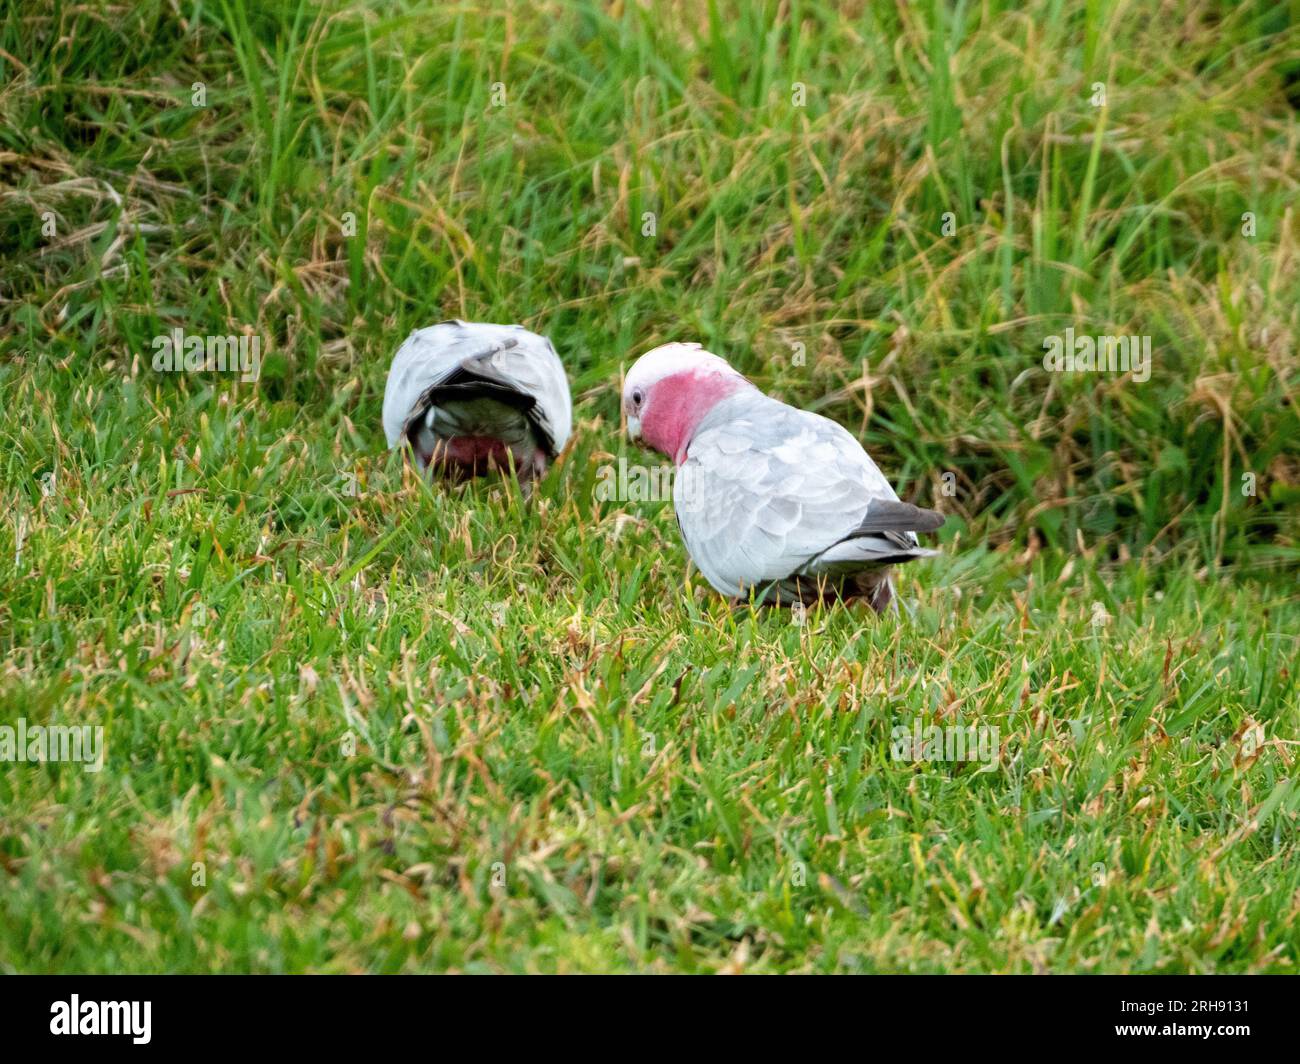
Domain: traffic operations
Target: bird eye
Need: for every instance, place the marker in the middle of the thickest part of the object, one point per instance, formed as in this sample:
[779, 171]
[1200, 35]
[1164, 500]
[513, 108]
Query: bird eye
[637, 396]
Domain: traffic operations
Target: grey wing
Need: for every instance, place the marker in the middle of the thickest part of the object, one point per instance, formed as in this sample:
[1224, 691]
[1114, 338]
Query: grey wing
[457, 359]
[424, 360]
[767, 489]
[530, 367]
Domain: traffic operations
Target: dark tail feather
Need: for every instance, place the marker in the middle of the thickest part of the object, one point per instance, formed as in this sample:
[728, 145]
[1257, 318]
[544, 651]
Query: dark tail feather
[890, 515]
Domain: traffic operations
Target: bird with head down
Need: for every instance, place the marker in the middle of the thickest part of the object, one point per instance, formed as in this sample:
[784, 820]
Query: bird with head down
[774, 503]
[467, 397]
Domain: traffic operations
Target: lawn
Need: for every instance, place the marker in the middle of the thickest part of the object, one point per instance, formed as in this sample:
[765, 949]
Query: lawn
[353, 721]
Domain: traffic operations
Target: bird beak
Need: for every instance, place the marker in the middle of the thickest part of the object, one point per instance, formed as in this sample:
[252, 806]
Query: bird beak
[634, 428]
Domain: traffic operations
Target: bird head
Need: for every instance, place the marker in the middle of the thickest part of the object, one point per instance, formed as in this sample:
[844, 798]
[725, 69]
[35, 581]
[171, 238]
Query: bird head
[669, 390]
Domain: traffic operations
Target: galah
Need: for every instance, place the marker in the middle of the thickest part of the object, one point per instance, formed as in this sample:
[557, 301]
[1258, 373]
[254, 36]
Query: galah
[467, 397]
[773, 502]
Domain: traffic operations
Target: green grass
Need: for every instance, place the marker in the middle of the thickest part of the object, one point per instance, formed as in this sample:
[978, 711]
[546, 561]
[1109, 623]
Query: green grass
[439, 728]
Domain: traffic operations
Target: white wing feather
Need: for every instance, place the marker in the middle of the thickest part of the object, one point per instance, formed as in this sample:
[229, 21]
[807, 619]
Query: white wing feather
[766, 488]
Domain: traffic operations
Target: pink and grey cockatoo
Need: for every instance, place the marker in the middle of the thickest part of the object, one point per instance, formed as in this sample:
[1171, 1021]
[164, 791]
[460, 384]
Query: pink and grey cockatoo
[468, 396]
[774, 502]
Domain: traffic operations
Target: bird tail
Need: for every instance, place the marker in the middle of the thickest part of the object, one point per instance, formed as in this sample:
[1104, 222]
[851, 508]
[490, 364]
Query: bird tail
[885, 536]
[861, 551]
[893, 515]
